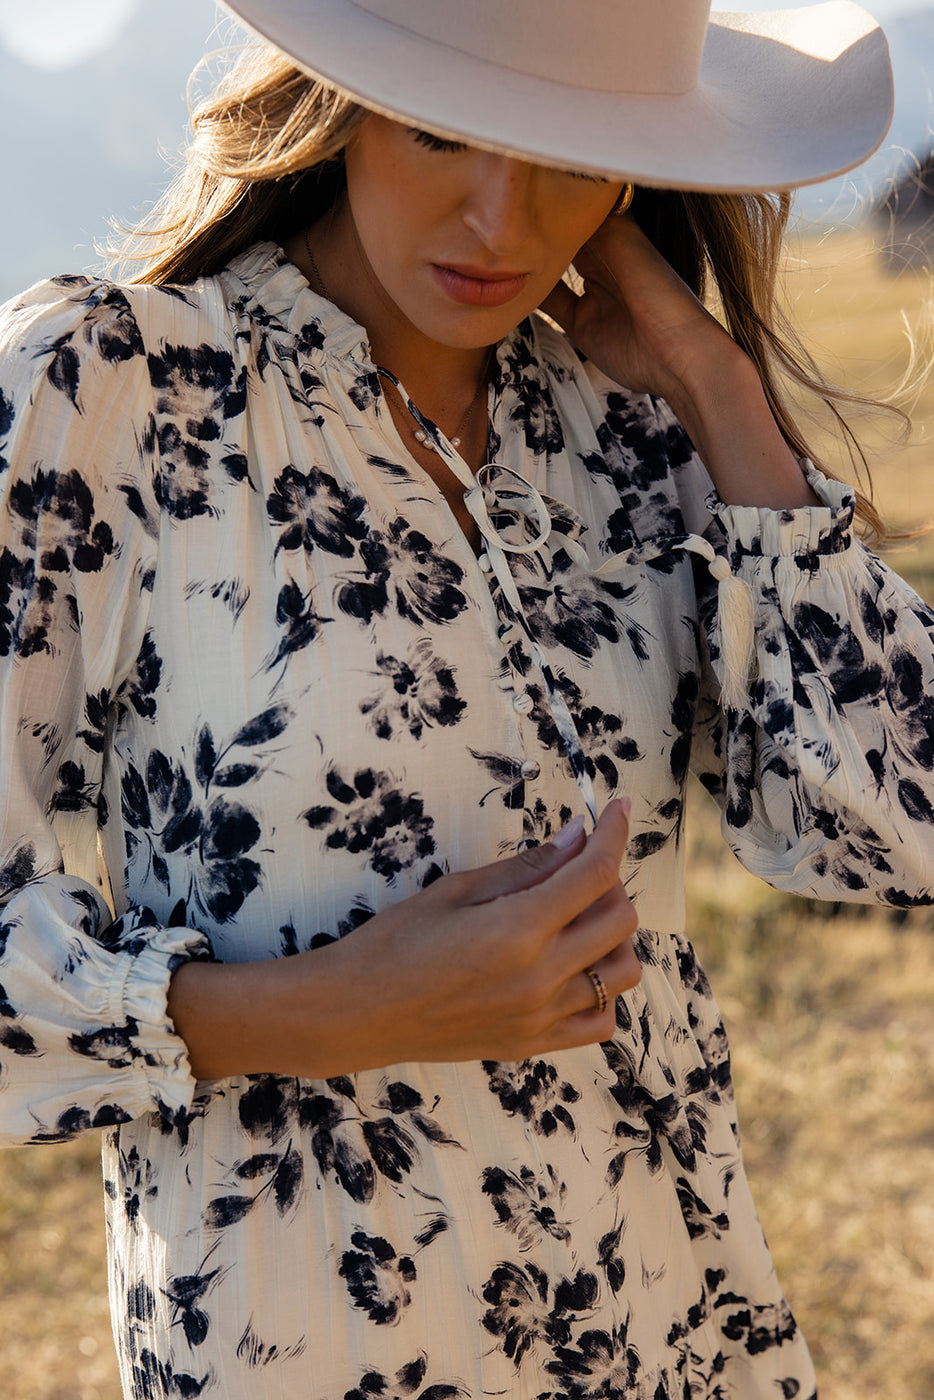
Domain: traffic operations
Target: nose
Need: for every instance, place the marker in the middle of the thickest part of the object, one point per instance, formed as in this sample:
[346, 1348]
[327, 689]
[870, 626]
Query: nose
[500, 206]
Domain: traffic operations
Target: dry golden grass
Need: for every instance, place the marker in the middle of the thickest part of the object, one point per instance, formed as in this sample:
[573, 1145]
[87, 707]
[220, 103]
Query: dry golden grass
[55, 1341]
[861, 324]
[829, 1014]
[829, 1010]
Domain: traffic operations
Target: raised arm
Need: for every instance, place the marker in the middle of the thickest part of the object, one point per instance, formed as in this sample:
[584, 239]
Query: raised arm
[826, 774]
[643, 327]
[825, 768]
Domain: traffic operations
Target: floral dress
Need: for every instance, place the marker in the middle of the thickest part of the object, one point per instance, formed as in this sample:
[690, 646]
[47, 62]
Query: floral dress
[257, 687]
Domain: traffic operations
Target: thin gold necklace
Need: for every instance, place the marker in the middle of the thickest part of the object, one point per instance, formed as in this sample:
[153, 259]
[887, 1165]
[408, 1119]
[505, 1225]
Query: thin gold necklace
[419, 434]
[422, 437]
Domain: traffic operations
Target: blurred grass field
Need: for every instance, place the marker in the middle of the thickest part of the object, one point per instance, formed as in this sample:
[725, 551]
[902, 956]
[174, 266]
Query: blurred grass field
[829, 1012]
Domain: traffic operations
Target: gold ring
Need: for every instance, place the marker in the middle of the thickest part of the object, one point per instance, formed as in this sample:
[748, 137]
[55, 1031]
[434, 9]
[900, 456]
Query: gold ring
[599, 989]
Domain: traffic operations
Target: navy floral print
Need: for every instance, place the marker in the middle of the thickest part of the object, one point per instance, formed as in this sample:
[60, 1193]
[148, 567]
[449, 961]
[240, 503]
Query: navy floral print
[257, 687]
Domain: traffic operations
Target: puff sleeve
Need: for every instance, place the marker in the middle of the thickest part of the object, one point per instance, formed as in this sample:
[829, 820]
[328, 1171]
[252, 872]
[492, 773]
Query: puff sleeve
[85, 1039]
[826, 776]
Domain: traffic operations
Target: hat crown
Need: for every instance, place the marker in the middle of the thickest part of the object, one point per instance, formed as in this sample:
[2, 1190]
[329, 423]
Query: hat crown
[657, 92]
[637, 46]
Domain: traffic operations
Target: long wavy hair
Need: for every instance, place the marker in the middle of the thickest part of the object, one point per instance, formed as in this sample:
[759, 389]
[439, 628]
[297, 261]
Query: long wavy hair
[266, 160]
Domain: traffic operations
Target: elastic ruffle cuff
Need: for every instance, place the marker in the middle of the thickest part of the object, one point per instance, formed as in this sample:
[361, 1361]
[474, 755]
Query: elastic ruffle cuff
[163, 1055]
[85, 1013]
[808, 535]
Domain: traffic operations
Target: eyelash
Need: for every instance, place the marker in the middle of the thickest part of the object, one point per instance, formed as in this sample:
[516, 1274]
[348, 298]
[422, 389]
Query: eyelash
[435, 143]
[439, 143]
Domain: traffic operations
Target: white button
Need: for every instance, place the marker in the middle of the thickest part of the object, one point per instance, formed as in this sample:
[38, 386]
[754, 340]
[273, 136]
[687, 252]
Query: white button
[530, 769]
[522, 703]
[484, 562]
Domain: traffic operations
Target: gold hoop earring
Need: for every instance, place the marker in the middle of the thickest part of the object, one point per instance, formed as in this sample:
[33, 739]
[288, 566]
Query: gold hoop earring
[624, 201]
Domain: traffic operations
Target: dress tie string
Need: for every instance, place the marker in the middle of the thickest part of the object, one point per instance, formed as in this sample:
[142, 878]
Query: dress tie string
[735, 610]
[519, 498]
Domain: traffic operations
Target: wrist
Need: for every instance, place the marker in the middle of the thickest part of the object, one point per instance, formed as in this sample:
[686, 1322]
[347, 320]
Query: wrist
[708, 385]
[304, 1015]
[243, 1018]
[309, 1021]
[722, 406]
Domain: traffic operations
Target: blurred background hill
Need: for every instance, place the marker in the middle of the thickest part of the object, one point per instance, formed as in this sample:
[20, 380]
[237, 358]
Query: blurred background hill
[911, 42]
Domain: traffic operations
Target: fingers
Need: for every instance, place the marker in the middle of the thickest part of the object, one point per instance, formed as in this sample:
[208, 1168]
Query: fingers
[581, 882]
[617, 972]
[601, 995]
[588, 1021]
[524, 929]
[526, 870]
[560, 304]
[599, 942]
[592, 956]
[571, 911]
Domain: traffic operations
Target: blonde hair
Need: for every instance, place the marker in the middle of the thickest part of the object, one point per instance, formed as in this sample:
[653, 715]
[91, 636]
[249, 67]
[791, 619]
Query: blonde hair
[266, 160]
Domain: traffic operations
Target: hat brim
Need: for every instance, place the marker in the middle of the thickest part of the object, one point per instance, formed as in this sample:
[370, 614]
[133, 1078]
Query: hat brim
[785, 98]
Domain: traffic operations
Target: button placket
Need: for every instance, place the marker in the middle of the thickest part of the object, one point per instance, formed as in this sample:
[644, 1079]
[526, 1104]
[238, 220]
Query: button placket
[508, 633]
[521, 498]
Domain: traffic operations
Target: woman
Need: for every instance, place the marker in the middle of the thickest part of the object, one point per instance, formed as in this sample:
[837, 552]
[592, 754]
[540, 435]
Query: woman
[339, 598]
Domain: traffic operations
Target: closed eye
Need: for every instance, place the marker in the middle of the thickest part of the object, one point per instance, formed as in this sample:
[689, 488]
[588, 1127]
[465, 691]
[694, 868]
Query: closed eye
[436, 143]
[441, 143]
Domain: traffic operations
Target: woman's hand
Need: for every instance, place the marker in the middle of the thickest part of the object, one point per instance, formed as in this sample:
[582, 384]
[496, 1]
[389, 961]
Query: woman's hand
[486, 964]
[636, 319]
[643, 327]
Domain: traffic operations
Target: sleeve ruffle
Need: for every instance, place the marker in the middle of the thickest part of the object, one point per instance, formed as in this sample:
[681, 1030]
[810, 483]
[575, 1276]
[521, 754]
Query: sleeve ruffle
[826, 772]
[803, 536]
[85, 1038]
[88, 1041]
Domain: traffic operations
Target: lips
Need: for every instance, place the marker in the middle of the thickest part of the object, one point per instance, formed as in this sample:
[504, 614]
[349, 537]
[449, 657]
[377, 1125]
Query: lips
[475, 287]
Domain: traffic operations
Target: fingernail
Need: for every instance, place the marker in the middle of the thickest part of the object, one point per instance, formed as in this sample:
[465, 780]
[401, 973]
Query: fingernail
[568, 834]
[626, 804]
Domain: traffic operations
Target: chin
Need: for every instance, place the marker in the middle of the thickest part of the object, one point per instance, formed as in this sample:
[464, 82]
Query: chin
[476, 330]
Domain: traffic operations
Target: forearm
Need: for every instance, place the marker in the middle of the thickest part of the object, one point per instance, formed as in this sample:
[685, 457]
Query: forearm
[488, 964]
[273, 1017]
[725, 413]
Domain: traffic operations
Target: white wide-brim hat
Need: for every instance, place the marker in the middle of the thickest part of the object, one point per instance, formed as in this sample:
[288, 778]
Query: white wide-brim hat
[659, 92]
